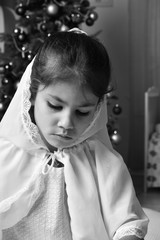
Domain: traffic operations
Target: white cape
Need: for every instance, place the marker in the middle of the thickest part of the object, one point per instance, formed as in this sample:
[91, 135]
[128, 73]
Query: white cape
[100, 197]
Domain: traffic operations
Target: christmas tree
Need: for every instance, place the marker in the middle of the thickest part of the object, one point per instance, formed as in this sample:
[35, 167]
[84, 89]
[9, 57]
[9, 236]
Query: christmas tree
[38, 19]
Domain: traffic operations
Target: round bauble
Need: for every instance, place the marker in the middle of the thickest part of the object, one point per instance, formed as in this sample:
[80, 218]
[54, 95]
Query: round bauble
[115, 137]
[22, 37]
[89, 21]
[8, 67]
[93, 15]
[20, 9]
[52, 9]
[17, 31]
[6, 81]
[117, 109]
[63, 28]
[43, 27]
[29, 55]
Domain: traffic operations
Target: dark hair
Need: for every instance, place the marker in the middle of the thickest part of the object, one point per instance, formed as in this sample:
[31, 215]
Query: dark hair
[68, 54]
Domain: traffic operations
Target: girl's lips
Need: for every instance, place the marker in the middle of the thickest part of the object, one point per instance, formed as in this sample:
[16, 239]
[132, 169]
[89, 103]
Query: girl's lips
[64, 136]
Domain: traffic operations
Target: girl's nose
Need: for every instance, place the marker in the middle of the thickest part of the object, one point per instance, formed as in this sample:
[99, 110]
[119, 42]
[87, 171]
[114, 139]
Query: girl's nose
[66, 122]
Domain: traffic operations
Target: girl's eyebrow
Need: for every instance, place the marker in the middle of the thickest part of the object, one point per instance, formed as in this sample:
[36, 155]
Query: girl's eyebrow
[86, 104]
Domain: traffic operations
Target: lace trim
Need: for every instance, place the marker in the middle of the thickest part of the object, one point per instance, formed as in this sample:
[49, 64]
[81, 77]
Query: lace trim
[30, 128]
[128, 231]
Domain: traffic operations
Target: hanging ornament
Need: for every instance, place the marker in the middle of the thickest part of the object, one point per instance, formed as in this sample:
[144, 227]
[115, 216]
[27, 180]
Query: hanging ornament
[22, 37]
[49, 34]
[89, 21]
[52, 9]
[43, 27]
[6, 81]
[7, 84]
[29, 55]
[4, 98]
[17, 31]
[63, 28]
[93, 15]
[115, 137]
[76, 17]
[117, 109]
[23, 51]
[112, 95]
[8, 67]
[20, 9]
[27, 17]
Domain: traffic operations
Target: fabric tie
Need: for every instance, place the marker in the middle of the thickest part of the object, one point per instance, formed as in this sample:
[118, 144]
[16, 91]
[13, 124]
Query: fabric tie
[50, 162]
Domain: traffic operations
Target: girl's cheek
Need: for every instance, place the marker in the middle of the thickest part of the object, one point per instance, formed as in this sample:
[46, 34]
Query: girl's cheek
[83, 124]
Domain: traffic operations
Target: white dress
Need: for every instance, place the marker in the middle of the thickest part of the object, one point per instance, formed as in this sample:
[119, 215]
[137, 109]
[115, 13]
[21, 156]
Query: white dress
[48, 217]
[89, 197]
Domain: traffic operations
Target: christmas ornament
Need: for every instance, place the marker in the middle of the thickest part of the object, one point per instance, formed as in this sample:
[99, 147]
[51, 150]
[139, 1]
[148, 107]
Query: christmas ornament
[29, 55]
[43, 27]
[27, 17]
[89, 21]
[5, 81]
[115, 137]
[22, 37]
[63, 28]
[8, 67]
[17, 31]
[4, 98]
[93, 15]
[23, 51]
[117, 109]
[52, 9]
[20, 9]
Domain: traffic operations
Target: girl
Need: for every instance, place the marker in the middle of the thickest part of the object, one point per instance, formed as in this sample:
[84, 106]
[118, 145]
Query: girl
[60, 178]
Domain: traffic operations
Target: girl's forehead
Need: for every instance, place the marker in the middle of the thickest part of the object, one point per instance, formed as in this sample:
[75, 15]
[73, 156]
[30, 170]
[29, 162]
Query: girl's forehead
[71, 91]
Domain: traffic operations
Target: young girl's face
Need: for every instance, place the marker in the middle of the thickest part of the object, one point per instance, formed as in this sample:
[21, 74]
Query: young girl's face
[62, 112]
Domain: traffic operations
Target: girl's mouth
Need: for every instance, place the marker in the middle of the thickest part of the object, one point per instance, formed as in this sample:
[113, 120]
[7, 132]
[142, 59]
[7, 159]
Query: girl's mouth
[64, 136]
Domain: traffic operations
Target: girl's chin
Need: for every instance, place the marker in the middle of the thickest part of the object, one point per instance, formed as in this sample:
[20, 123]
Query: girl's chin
[60, 144]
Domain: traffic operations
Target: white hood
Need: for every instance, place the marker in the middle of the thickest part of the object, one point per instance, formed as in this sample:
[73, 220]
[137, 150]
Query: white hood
[96, 177]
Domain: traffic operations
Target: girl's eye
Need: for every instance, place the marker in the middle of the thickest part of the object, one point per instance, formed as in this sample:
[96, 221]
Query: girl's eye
[55, 107]
[82, 113]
